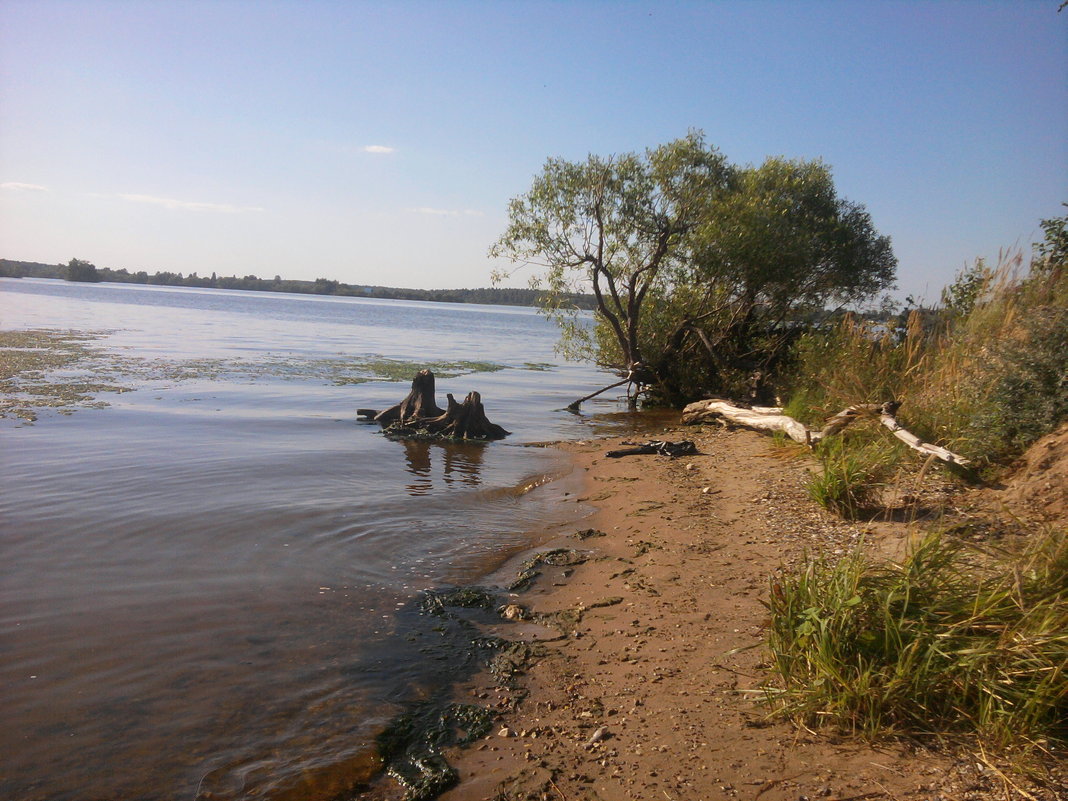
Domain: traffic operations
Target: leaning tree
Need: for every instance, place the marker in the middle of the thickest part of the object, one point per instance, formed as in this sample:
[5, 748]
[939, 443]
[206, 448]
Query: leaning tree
[777, 252]
[612, 226]
[700, 270]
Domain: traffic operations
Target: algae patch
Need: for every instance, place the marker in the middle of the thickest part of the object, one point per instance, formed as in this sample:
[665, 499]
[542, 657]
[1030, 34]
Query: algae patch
[349, 371]
[412, 743]
[557, 557]
[47, 369]
[69, 370]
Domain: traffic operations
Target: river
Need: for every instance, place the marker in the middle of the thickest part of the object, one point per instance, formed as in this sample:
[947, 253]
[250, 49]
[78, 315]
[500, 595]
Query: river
[210, 583]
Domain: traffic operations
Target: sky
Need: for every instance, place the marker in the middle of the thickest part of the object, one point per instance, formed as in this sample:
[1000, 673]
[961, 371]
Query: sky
[380, 142]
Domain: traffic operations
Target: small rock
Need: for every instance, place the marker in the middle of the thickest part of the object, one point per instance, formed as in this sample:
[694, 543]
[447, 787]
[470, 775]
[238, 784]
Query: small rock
[504, 732]
[513, 612]
[597, 736]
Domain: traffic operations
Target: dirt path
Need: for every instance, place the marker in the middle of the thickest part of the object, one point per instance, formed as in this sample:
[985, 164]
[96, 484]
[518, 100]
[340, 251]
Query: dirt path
[656, 692]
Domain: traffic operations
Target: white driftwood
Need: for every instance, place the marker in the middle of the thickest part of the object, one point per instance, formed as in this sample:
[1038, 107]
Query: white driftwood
[766, 419]
[772, 419]
[918, 444]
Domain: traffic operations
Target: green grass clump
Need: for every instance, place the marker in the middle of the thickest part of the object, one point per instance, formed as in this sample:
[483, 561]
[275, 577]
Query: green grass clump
[948, 640]
[850, 478]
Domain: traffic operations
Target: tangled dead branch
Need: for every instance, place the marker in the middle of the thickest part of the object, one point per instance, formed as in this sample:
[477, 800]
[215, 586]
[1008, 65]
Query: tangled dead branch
[768, 418]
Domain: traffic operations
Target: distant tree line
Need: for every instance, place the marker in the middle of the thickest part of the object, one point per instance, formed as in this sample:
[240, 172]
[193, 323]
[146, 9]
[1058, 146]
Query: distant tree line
[84, 271]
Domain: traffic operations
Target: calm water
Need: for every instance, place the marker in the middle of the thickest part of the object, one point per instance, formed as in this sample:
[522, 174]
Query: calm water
[210, 584]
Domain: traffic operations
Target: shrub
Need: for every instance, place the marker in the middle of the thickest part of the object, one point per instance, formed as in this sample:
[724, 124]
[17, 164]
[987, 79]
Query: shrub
[986, 375]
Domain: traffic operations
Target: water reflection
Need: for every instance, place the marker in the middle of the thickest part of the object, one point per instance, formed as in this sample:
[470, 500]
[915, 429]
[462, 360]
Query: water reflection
[461, 464]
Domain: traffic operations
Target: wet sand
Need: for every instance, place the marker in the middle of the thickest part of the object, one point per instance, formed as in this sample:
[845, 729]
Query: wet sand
[656, 691]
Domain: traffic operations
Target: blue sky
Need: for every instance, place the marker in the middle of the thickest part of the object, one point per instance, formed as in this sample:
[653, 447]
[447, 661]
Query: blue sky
[379, 142]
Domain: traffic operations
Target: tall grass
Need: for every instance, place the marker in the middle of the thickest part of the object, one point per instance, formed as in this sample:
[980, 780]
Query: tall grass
[985, 375]
[945, 641]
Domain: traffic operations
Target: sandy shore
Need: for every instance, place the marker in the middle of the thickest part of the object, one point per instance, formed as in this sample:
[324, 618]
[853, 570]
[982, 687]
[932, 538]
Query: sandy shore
[655, 692]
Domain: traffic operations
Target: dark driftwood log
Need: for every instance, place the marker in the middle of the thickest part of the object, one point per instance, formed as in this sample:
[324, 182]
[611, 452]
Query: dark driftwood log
[418, 405]
[418, 415]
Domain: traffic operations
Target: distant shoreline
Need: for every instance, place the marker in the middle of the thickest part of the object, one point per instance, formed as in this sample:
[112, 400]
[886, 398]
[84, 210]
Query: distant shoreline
[495, 296]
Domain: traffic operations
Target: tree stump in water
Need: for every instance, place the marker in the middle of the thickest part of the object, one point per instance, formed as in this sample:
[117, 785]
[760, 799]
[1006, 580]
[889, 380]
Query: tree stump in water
[418, 415]
[419, 404]
[465, 420]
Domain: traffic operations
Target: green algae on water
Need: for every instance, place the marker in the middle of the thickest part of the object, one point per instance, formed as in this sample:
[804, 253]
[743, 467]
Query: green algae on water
[46, 370]
[69, 370]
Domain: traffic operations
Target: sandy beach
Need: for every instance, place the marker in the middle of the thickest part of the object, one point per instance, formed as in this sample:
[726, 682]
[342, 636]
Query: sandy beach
[655, 691]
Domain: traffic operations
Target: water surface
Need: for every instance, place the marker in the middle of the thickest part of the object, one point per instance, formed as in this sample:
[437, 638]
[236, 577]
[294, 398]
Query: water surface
[208, 585]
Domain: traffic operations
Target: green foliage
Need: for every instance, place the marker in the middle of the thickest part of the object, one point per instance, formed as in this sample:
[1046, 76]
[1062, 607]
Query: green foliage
[967, 288]
[79, 270]
[1028, 395]
[701, 270]
[944, 641]
[785, 242]
[1052, 252]
[614, 226]
[11, 269]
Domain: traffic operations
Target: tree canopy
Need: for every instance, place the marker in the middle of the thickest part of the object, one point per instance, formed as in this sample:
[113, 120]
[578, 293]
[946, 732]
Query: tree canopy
[81, 270]
[613, 226]
[700, 269]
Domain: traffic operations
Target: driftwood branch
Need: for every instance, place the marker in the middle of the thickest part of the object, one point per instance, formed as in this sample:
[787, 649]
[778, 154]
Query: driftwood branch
[772, 419]
[918, 444]
[638, 374]
[762, 418]
[574, 405]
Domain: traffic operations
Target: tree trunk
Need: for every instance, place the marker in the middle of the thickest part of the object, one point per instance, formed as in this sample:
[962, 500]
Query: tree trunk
[764, 418]
[772, 419]
[418, 415]
[419, 404]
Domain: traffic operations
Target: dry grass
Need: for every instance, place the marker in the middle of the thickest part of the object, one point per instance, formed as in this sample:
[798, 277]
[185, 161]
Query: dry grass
[985, 379]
